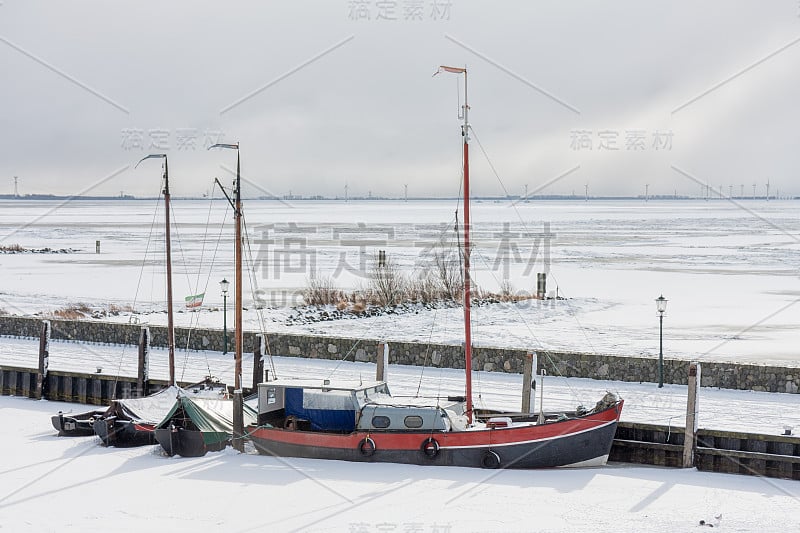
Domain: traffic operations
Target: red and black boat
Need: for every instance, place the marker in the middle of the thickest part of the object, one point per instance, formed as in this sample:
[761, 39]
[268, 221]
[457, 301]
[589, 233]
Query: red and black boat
[363, 422]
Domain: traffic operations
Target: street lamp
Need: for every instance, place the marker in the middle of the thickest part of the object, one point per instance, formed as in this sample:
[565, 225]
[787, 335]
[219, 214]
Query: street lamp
[661, 307]
[223, 285]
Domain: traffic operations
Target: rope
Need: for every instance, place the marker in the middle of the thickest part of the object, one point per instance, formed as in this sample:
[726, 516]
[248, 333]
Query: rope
[525, 228]
[196, 318]
[136, 294]
[253, 291]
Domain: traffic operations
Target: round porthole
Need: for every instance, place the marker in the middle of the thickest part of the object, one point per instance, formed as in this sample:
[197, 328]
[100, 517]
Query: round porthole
[381, 422]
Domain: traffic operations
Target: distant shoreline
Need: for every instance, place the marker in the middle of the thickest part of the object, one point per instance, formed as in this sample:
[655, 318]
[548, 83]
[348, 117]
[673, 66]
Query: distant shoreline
[547, 197]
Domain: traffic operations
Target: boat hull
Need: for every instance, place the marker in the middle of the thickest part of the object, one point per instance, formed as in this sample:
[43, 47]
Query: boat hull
[187, 442]
[584, 441]
[124, 433]
[81, 425]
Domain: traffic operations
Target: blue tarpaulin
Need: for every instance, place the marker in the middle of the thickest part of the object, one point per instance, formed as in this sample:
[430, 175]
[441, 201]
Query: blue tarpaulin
[327, 411]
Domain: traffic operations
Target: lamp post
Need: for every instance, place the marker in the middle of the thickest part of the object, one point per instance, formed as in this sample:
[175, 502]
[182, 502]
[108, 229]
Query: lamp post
[223, 285]
[661, 306]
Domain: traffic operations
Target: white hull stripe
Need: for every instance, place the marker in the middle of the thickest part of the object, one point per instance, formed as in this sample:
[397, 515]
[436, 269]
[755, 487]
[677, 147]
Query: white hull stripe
[597, 461]
[499, 444]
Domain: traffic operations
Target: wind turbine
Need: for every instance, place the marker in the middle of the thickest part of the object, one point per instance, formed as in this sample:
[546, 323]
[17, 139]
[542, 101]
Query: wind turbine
[586, 192]
[646, 191]
[768, 189]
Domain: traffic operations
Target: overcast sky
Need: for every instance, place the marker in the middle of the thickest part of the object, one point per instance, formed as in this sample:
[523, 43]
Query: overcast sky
[320, 96]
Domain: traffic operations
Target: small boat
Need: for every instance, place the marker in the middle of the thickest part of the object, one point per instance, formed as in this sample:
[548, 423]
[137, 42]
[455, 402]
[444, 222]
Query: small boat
[363, 422]
[197, 425]
[132, 421]
[80, 425]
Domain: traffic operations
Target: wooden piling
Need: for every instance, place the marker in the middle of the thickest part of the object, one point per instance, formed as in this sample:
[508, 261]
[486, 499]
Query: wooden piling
[97, 392]
[692, 406]
[528, 369]
[44, 360]
[66, 389]
[143, 368]
[258, 361]
[25, 384]
[81, 390]
[382, 361]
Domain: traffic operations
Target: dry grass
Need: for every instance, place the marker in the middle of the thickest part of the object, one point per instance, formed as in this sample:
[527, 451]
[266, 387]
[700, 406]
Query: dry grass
[12, 248]
[81, 311]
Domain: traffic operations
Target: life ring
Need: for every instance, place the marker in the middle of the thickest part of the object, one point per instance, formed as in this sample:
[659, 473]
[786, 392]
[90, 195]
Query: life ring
[490, 459]
[430, 447]
[366, 447]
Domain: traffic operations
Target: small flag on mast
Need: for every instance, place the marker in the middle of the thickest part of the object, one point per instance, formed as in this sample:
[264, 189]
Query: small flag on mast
[194, 301]
[454, 70]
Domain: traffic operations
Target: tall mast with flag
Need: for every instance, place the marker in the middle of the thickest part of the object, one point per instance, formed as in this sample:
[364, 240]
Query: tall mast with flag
[170, 317]
[466, 252]
[238, 400]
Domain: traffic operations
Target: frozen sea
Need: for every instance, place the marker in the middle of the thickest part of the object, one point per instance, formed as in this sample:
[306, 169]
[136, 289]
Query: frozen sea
[729, 269]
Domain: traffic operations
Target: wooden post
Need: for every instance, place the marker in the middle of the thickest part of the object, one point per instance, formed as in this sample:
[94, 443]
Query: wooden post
[66, 389]
[528, 385]
[258, 361]
[692, 405]
[144, 361]
[25, 384]
[81, 390]
[44, 360]
[97, 392]
[382, 362]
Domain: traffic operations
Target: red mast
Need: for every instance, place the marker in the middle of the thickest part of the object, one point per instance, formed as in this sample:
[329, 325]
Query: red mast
[467, 288]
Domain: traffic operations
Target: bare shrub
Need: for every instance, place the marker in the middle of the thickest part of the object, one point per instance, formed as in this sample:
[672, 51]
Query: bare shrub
[425, 288]
[447, 268]
[321, 291]
[388, 284]
[13, 248]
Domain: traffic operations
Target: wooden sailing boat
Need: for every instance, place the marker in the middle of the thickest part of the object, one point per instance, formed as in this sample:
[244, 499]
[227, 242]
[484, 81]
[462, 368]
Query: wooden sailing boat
[362, 422]
[195, 426]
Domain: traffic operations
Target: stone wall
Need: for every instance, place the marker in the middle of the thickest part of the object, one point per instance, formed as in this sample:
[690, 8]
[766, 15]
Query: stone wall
[611, 367]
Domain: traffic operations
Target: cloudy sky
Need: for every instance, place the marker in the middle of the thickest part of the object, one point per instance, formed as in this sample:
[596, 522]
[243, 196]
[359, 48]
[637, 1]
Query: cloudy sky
[323, 94]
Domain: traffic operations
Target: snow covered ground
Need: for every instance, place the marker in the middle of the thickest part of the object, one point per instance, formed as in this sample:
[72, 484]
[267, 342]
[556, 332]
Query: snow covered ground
[729, 271]
[59, 484]
[747, 411]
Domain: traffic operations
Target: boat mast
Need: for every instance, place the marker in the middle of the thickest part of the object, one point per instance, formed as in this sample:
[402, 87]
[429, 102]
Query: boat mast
[467, 288]
[238, 400]
[170, 317]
